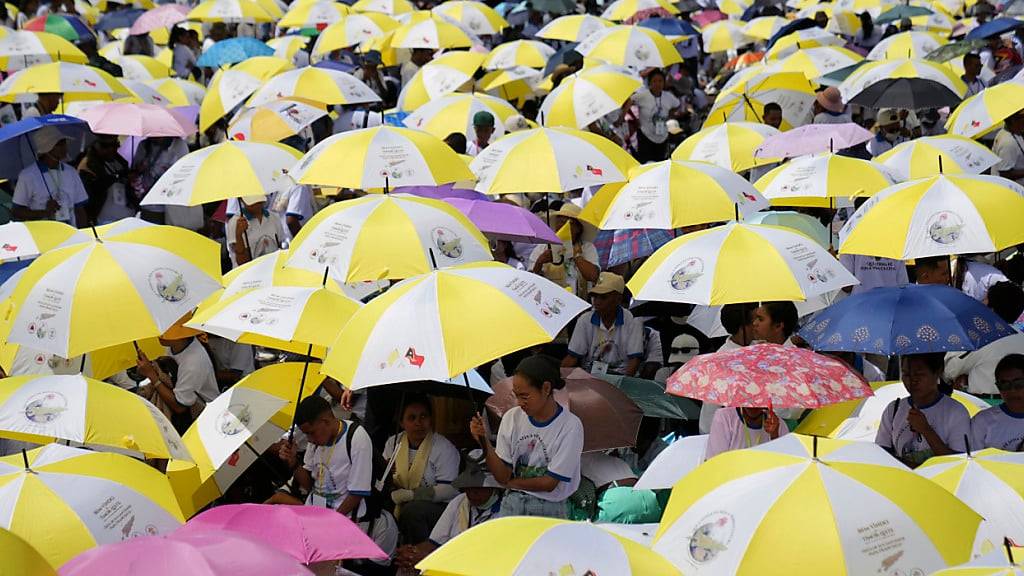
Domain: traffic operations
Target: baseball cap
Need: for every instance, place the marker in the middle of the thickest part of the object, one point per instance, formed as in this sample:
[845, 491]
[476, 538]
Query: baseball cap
[46, 138]
[684, 348]
[887, 116]
[483, 118]
[609, 282]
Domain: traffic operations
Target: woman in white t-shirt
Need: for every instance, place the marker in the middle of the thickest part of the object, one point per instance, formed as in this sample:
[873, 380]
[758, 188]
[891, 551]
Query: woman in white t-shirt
[539, 444]
[424, 466]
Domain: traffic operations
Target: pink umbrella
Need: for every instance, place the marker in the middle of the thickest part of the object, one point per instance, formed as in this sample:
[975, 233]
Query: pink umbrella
[768, 376]
[505, 221]
[195, 554]
[160, 17]
[705, 17]
[812, 139]
[307, 533]
[138, 120]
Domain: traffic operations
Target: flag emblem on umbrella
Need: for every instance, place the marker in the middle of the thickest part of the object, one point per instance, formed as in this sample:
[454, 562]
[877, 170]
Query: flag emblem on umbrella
[686, 275]
[945, 227]
[45, 407]
[234, 419]
[448, 242]
[168, 284]
[40, 328]
[414, 358]
[712, 537]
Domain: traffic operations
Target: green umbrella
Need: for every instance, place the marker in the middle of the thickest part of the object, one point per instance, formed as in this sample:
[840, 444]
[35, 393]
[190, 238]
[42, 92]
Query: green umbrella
[954, 50]
[651, 398]
[554, 6]
[900, 12]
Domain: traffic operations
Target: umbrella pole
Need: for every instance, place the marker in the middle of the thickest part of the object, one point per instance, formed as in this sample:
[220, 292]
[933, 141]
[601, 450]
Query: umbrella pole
[32, 149]
[24, 458]
[967, 444]
[305, 367]
[751, 106]
[940, 163]
[1006, 542]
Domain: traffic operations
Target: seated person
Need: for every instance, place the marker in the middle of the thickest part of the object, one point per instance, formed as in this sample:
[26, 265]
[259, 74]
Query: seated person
[617, 501]
[739, 428]
[608, 339]
[1002, 426]
[933, 270]
[928, 423]
[425, 464]
[479, 500]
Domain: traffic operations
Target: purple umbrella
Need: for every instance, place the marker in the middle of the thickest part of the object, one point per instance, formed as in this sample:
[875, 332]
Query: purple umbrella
[812, 139]
[505, 221]
[443, 192]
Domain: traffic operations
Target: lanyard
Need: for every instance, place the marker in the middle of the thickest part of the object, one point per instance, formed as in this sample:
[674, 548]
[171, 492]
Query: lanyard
[606, 343]
[748, 441]
[321, 471]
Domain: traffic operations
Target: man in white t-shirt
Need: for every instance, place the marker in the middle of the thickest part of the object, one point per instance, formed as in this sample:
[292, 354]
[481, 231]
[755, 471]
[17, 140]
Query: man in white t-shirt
[609, 339]
[1009, 146]
[483, 129]
[574, 264]
[889, 132]
[655, 106]
[49, 189]
[1002, 426]
[254, 232]
[979, 277]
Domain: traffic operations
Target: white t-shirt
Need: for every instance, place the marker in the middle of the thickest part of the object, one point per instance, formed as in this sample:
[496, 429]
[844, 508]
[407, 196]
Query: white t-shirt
[592, 342]
[232, 355]
[447, 526]
[559, 254]
[603, 469]
[654, 113]
[264, 235]
[979, 278]
[409, 69]
[442, 464]
[196, 377]
[827, 117]
[980, 365]
[183, 59]
[1010, 149]
[335, 476]
[874, 272]
[946, 416]
[997, 427]
[534, 449]
[37, 184]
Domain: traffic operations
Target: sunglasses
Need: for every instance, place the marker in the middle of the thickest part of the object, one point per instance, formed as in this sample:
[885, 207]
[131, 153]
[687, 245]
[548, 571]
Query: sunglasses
[1017, 384]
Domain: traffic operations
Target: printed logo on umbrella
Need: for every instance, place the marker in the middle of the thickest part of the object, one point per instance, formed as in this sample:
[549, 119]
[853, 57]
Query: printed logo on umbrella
[40, 328]
[712, 537]
[45, 407]
[945, 227]
[687, 275]
[448, 242]
[234, 419]
[168, 284]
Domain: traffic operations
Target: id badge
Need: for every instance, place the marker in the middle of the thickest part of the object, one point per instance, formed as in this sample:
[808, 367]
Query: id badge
[118, 192]
[63, 214]
[599, 368]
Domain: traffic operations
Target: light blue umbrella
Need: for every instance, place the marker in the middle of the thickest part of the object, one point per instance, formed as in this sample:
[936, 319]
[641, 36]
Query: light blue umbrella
[232, 51]
[806, 225]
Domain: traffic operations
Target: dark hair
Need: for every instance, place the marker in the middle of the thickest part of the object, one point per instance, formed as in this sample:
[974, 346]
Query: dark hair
[771, 107]
[1007, 300]
[1010, 362]
[735, 316]
[972, 56]
[931, 262]
[310, 409]
[785, 312]
[176, 35]
[866, 23]
[456, 141]
[655, 72]
[417, 400]
[935, 361]
[539, 369]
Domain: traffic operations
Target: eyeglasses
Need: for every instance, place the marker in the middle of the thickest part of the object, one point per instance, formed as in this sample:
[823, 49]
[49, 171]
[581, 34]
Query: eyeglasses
[1017, 384]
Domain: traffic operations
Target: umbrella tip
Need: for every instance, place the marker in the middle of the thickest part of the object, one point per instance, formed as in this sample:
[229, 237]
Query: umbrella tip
[24, 458]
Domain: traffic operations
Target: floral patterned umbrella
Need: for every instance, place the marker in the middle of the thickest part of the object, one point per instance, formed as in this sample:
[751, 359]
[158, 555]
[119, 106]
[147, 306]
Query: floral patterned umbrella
[768, 375]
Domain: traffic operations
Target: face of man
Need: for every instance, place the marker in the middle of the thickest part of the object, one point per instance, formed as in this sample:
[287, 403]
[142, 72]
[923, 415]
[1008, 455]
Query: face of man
[106, 147]
[937, 274]
[773, 118]
[320, 431]
[606, 304]
[483, 134]
[972, 66]
[48, 102]
[1010, 382]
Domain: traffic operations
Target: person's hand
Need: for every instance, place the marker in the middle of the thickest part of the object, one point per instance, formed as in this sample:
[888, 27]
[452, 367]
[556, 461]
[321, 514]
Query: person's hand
[288, 452]
[242, 227]
[545, 258]
[961, 382]
[918, 421]
[477, 428]
[401, 496]
[146, 368]
[52, 206]
[771, 424]
[346, 399]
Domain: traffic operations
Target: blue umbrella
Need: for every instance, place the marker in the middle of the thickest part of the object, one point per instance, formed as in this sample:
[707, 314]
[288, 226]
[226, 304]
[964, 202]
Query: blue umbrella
[232, 51]
[336, 65]
[670, 26]
[119, 19]
[995, 28]
[794, 26]
[16, 150]
[558, 57]
[911, 319]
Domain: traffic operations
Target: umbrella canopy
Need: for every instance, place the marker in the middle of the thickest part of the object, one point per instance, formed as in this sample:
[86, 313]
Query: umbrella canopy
[803, 223]
[386, 236]
[16, 148]
[142, 68]
[789, 90]
[903, 83]
[390, 7]
[352, 30]
[549, 160]
[573, 28]
[23, 49]
[506, 221]
[623, 10]
[828, 176]
[76, 486]
[934, 155]
[730, 145]
[807, 485]
[898, 13]
[586, 96]
[801, 40]
[995, 27]
[542, 546]
[912, 319]
[30, 239]
[610, 419]
[161, 17]
[138, 120]
[985, 111]
[230, 11]
[673, 463]
[317, 84]
[633, 46]
[912, 44]
[434, 33]
[228, 89]
[179, 92]
[992, 564]
[477, 312]
[275, 120]
[68, 27]
[315, 15]
[812, 139]
[43, 409]
[455, 112]
[442, 192]
[381, 157]
[307, 533]
[233, 51]
[650, 396]
[71, 80]
[442, 75]
[622, 246]
[270, 270]
[118, 19]
[531, 53]
[817, 62]
[21, 558]
[936, 216]
[768, 376]
[702, 267]
[724, 35]
[518, 83]
[477, 17]
[764, 27]
[198, 177]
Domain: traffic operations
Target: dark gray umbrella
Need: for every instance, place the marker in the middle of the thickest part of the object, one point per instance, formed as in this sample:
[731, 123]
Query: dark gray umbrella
[907, 93]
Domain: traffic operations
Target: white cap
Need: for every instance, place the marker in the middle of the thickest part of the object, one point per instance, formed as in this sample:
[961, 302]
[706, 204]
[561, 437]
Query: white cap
[253, 199]
[46, 138]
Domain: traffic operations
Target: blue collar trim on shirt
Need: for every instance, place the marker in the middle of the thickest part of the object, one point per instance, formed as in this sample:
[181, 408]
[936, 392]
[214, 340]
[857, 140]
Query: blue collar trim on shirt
[620, 318]
[831, 113]
[1017, 415]
[539, 424]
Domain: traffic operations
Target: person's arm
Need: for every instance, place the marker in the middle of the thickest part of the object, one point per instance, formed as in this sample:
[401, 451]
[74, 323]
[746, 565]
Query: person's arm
[884, 435]
[585, 260]
[634, 346]
[632, 366]
[161, 383]
[919, 424]
[563, 462]
[349, 505]
[579, 343]
[501, 471]
[539, 484]
[288, 452]
[81, 217]
[294, 223]
[1015, 174]
[240, 246]
[24, 213]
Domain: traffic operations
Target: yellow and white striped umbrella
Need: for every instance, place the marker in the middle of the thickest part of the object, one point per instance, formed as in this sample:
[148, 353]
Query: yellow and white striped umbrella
[232, 86]
[156, 274]
[935, 22]
[47, 408]
[74, 81]
[513, 84]
[141, 93]
[22, 49]
[286, 47]
[65, 501]
[733, 8]
[990, 481]
[434, 33]
[317, 15]
[477, 17]
[984, 112]
[112, 50]
[532, 53]
[912, 44]
[19, 556]
[633, 46]
[317, 84]
[386, 236]
[161, 36]
[142, 68]
[389, 7]
[442, 75]
[730, 145]
[933, 155]
[443, 323]
[900, 82]
[275, 121]
[992, 564]
[573, 27]
[801, 40]
[937, 216]
[179, 92]
[764, 27]
[792, 91]
[352, 30]
[724, 35]
[622, 10]
[230, 11]
[826, 176]
[98, 364]
[454, 113]
[582, 98]
[253, 168]
[817, 62]
[801, 504]
[30, 239]
[704, 267]
[549, 160]
[271, 270]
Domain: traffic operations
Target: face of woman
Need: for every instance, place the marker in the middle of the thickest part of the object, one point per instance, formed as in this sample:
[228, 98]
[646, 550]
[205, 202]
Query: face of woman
[753, 416]
[529, 398]
[416, 422]
[918, 378]
[764, 328]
